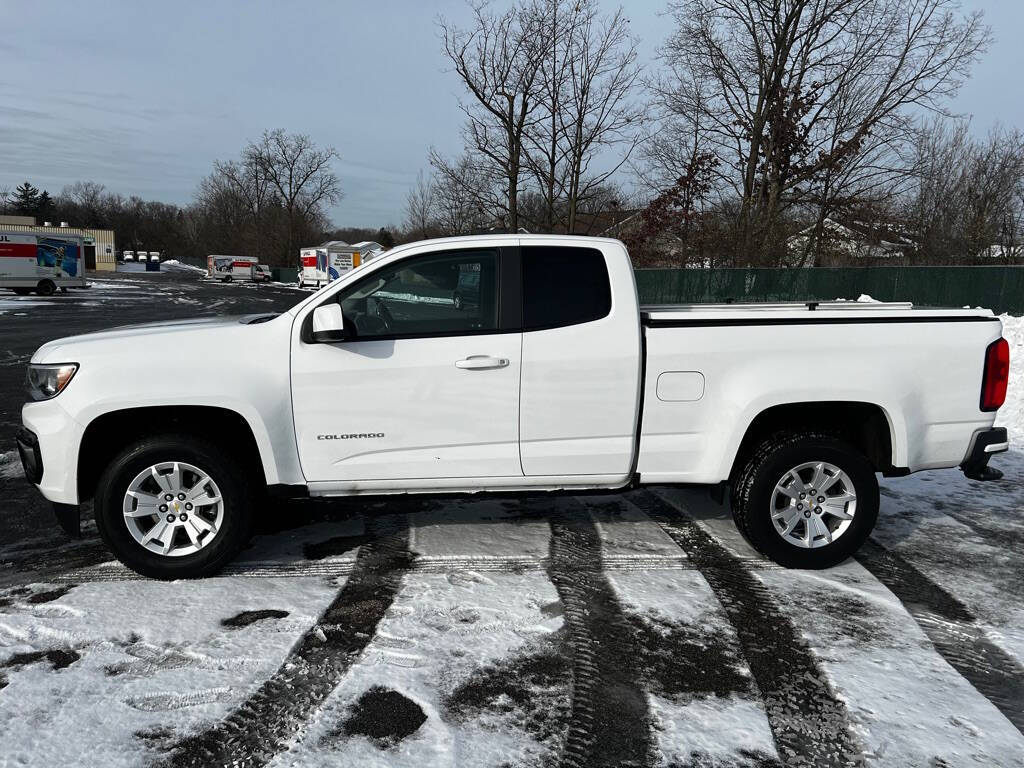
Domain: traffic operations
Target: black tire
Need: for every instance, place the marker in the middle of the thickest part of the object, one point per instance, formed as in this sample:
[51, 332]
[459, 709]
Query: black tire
[46, 288]
[754, 485]
[235, 490]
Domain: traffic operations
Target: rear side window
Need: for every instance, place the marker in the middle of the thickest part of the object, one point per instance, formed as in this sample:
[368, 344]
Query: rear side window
[564, 286]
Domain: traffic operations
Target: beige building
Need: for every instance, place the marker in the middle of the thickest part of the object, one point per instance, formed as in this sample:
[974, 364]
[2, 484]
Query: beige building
[100, 250]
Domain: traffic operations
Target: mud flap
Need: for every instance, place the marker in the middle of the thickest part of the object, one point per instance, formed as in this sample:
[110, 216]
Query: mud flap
[717, 493]
[69, 518]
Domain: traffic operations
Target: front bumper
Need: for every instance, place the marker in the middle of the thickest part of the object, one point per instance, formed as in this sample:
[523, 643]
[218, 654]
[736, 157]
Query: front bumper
[986, 443]
[55, 438]
[68, 515]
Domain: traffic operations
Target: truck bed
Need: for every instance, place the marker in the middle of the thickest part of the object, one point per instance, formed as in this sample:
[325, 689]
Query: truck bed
[712, 368]
[797, 313]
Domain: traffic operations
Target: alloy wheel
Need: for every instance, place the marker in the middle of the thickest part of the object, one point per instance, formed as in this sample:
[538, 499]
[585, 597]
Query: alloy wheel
[813, 504]
[173, 508]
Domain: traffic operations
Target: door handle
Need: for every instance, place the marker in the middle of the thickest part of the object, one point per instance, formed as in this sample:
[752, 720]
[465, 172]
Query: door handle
[481, 362]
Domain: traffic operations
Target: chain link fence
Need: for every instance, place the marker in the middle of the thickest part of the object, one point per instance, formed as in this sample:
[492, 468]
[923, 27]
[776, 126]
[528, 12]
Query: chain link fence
[999, 288]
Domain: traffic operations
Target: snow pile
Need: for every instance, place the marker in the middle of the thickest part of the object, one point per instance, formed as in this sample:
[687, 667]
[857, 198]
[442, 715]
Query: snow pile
[862, 299]
[10, 465]
[179, 265]
[1011, 415]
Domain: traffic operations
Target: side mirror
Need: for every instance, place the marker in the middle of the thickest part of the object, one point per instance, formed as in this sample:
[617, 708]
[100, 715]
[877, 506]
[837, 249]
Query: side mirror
[329, 324]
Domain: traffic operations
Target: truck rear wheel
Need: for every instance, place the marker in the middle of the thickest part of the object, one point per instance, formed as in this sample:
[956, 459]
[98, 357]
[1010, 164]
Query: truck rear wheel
[46, 288]
[805, 499]
[173, 507]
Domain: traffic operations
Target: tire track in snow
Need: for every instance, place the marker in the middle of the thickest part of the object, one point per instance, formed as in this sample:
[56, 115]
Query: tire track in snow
[952, 628]
[301, 569]
[810, 724]
[276, 713]
[610, 721]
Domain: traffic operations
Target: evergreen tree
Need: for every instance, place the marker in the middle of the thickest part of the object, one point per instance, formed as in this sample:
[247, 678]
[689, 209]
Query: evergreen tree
[26, 199]
[385, 238]
[43, 205]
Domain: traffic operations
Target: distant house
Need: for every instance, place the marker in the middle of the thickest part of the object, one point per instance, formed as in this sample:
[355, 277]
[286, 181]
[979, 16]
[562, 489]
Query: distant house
[847, 243]
[1005, 252]
[368, 249]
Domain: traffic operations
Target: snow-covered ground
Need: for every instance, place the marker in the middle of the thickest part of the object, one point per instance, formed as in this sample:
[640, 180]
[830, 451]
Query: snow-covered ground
[534, 630]
[1011, 415]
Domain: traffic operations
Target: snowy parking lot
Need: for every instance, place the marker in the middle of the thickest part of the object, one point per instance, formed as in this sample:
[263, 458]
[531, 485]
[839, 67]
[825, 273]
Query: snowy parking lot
[632, 628]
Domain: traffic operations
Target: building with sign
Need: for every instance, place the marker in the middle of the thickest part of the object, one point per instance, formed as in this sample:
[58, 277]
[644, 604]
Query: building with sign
[100, 249]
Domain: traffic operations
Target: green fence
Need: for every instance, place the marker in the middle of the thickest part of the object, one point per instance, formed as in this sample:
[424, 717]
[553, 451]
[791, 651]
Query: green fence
[285, 274]
[1000, 289]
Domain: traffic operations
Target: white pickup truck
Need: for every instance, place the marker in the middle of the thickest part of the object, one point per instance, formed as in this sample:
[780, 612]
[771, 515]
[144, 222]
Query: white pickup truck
[549, 377]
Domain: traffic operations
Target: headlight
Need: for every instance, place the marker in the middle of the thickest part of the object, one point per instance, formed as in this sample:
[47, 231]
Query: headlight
[45, 381]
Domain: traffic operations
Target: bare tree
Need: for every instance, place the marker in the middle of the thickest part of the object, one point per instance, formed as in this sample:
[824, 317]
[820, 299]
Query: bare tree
[300, 173]
[420, 214]
[251, 182]
[467, 194]
[598, 114]
[90, 201]
[798, 98]
[967, 194]
[498, 59]
[545, 148]
[587, 78]
[5, 198]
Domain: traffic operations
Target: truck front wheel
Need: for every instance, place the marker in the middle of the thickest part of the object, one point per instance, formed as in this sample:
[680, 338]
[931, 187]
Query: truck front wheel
[46, 288]
[173, 507]
[805, 500]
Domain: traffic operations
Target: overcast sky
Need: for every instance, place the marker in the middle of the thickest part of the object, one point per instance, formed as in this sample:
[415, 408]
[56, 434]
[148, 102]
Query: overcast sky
[143, 97]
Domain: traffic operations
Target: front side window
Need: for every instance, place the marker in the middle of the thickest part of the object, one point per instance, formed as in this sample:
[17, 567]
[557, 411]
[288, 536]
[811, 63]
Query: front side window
[437, 294]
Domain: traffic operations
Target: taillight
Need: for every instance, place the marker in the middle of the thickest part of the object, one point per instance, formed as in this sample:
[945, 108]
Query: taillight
[997, 374]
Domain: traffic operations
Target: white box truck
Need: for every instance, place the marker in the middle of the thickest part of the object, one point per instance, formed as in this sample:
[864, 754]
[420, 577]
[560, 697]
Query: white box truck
[312, 268]
[127, 255]
[41, 263]
[319, 266]
[227, 269]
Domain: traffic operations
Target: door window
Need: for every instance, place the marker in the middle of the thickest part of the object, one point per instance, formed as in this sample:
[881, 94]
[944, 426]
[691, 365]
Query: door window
[435, 295]
[564, 286]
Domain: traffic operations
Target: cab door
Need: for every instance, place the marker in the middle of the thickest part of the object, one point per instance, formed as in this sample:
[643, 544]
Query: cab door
[423, 389]
[581, 360]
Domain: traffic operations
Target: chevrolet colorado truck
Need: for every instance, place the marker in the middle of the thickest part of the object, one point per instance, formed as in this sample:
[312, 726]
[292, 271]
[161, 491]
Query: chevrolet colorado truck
[550, 376]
